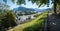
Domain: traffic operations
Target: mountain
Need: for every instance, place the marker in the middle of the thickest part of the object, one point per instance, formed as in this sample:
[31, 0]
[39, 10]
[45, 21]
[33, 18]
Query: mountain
[30, 9]
[23, 9]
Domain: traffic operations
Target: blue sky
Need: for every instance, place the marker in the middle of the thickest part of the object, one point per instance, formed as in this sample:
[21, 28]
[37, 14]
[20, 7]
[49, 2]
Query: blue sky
[28, 5]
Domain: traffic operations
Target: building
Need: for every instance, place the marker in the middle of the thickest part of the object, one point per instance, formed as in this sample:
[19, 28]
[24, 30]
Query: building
[23, 19]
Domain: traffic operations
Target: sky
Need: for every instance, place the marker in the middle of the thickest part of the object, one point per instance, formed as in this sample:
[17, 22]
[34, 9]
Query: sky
[28, 5]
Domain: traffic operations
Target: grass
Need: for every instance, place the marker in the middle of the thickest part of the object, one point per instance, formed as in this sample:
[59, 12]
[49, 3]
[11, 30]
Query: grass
[34, 25]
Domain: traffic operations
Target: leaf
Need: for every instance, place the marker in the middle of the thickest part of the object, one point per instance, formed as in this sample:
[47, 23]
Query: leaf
[13, 1]
[21, 2]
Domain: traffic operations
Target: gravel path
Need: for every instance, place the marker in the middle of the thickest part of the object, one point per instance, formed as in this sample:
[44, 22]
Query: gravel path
[53, 22]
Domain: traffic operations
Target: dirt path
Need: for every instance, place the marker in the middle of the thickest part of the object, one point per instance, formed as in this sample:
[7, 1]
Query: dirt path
[53, 22]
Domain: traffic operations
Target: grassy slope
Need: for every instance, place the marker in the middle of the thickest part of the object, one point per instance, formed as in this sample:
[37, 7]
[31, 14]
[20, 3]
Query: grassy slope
[34, 25]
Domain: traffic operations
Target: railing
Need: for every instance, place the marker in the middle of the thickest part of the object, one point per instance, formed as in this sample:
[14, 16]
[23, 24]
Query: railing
[45, 27]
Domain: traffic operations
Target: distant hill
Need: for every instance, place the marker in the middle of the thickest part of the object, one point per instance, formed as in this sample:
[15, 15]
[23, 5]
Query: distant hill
[30, 9]
[23, 9]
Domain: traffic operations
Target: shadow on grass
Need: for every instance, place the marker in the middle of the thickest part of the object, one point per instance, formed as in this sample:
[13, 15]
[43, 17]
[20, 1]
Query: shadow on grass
[39, 26]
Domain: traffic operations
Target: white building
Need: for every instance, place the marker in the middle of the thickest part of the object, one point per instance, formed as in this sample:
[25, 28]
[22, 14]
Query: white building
[22, 19]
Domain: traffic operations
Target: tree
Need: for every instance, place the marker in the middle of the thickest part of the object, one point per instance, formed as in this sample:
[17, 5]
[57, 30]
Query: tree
[40, 2]
[9, 19]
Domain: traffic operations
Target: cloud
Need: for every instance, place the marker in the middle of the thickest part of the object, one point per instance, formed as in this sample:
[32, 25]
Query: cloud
[13, 6]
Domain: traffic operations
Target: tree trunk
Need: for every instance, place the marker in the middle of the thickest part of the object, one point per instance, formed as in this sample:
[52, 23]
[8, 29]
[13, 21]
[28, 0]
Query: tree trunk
[55, 5]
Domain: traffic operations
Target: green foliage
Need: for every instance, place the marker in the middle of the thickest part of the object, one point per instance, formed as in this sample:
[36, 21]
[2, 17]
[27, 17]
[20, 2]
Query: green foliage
[8, 19]
[13, 1]
[38, 2]
[39, 26]
[18, 1]
[21, 2]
